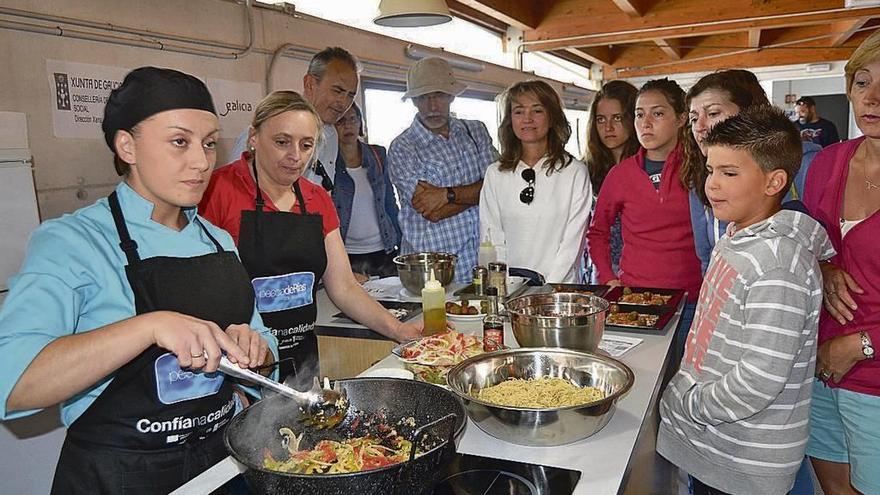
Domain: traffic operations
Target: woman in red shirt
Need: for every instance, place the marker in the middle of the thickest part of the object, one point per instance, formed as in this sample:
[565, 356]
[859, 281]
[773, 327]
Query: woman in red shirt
[843, 192]
[645, 190]
[287, 233]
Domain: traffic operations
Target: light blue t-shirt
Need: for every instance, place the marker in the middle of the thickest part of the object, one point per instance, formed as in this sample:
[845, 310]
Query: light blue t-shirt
[73, 280]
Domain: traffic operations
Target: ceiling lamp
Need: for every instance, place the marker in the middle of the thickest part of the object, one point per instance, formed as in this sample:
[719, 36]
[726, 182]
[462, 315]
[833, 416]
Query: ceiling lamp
[412, 13]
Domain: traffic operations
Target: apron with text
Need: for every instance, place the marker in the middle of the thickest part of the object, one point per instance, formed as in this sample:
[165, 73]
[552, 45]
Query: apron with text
[156, 425]
[285, 257]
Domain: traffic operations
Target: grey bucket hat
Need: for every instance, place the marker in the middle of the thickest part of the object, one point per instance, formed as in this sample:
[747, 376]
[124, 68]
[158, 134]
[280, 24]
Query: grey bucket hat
[430, 75]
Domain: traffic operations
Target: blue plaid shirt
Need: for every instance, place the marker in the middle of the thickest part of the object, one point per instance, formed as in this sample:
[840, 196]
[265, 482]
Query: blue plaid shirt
[419, 154]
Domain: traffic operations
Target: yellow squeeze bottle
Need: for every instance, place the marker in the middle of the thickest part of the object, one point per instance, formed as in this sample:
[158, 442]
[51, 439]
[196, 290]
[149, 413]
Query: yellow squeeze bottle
[434, 306]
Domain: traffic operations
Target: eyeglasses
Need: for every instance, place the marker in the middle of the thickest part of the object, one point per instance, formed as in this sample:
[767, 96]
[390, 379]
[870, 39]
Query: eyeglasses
[527, 195]
[326, 183]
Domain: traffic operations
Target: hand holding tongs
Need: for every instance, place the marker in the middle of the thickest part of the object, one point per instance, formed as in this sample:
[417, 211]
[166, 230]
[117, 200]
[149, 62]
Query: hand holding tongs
[325, 407]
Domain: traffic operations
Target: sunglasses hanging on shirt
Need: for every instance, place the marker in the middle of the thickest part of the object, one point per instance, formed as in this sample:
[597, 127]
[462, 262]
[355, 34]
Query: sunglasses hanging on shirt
[527, 195]
[326, 183]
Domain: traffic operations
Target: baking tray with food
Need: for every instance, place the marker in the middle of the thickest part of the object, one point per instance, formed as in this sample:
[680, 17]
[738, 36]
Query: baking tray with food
[638, 317]
[590, 290]
[643, 296]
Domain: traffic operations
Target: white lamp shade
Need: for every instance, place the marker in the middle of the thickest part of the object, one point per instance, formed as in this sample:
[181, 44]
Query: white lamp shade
[412, 13]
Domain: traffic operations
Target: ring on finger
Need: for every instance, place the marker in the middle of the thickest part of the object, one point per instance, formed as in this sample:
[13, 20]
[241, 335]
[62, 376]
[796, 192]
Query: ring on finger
[197, 356]
[825, 375]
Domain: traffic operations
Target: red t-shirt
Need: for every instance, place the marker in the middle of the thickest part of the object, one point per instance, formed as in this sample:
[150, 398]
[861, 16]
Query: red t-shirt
[232, 190]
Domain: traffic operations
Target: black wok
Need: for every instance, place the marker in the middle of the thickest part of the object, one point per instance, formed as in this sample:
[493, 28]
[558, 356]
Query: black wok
[256, 428]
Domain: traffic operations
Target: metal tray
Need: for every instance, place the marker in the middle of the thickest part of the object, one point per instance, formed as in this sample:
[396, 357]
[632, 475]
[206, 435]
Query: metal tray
[616, 293]
[664, 312]
[595, 290]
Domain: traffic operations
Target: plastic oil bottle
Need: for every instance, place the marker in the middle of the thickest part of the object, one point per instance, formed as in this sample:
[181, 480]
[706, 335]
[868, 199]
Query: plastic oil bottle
[434, 306]
[487, 253]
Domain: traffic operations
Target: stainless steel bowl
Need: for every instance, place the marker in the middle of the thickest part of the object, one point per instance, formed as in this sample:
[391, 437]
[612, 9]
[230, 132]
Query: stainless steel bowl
[541, 427]
[561, 319]
[415, 269]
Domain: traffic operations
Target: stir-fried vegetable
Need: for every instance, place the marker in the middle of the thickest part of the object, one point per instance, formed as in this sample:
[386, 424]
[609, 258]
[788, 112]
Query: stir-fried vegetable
[445, 349]
[348, 456]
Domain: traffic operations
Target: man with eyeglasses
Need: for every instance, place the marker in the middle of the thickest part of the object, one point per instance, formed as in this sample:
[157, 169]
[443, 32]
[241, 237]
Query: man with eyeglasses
[330, 85]
[437, 165]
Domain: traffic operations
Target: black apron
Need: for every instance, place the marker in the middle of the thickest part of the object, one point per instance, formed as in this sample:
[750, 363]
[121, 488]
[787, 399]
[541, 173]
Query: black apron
[285, 257]
[157, 426]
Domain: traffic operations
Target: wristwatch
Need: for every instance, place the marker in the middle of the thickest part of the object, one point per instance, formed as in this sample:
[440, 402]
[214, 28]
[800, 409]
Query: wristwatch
[867, 347]
[450, 195]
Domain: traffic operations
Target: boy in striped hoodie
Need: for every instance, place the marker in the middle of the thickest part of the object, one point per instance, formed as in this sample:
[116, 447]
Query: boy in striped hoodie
[735, 416]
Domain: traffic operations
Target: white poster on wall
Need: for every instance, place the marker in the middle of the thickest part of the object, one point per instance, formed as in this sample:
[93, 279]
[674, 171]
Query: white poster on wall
[235, 102]
[78, 95]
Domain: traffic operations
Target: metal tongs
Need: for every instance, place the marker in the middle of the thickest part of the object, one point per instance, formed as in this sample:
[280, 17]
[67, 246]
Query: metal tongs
[322, 407]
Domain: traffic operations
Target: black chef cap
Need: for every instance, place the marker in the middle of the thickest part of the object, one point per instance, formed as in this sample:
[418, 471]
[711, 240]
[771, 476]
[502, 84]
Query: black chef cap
[147, 91]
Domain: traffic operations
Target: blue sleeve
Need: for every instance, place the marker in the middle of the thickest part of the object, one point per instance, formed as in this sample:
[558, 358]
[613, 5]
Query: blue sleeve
[494, 155]
[391, 208]
[404, 169]
[703, 241]
[44, 302]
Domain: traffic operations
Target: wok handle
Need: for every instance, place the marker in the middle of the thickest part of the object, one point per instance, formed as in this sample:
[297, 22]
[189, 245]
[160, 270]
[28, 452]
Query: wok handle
[227, 367]
[422, 430]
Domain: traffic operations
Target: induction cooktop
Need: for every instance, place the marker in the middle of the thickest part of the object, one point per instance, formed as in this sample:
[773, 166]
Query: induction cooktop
[468, 474]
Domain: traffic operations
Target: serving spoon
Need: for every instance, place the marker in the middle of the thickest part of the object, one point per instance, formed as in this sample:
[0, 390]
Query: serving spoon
[322, 407]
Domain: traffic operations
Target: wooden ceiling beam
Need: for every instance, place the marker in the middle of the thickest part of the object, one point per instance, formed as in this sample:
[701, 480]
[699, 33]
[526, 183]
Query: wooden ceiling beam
[633, 8]
[634, 62]
[754, 38]
[673, 19]
[573, 58]
[473, 15]
[522, 14]
[670, 48]
[845, 29]
[598, 54]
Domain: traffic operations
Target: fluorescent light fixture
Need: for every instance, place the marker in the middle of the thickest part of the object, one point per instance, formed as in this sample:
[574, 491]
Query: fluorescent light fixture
[412, 13]
[814, 68]
[417, 53]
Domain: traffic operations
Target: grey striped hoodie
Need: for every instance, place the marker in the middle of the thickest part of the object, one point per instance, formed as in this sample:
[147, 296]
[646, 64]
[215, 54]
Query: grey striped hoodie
[736, 415]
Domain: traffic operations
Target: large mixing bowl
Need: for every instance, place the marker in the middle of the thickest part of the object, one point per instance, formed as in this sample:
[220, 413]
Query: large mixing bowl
[541, 427]
[415, 269]
[561, 319]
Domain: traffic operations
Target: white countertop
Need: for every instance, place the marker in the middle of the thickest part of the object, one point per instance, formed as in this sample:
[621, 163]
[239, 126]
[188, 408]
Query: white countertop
[603, 459]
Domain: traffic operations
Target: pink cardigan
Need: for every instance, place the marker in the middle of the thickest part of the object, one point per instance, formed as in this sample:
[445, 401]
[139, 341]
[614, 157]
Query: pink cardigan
[857, 254]
[658, 240]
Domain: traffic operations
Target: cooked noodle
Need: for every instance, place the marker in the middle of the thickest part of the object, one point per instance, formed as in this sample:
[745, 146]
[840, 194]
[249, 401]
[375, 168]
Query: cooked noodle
[539, 393]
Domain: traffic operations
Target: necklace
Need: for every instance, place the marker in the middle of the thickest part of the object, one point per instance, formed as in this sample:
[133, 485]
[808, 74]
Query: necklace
[868, 184]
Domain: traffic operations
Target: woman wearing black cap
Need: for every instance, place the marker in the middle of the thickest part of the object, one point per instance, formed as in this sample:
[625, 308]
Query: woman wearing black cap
[116, 312]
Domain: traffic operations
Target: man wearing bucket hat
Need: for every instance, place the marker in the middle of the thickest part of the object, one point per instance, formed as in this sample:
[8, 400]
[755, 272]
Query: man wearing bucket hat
[437, 165]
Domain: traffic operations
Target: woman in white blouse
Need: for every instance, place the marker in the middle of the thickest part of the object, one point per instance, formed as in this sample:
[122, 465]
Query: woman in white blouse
[535, 202]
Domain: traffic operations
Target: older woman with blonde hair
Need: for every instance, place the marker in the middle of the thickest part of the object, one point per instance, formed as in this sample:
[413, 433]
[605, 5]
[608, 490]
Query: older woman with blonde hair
[287, 233]
[535, 202]
[843, 192]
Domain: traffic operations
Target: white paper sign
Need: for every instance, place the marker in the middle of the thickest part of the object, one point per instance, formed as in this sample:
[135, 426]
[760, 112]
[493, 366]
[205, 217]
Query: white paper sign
[235, 102]
[78, 95]
[617, 345]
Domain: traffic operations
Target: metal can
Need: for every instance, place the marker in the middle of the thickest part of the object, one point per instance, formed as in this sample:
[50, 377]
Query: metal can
[481, 280]
[498, 277]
